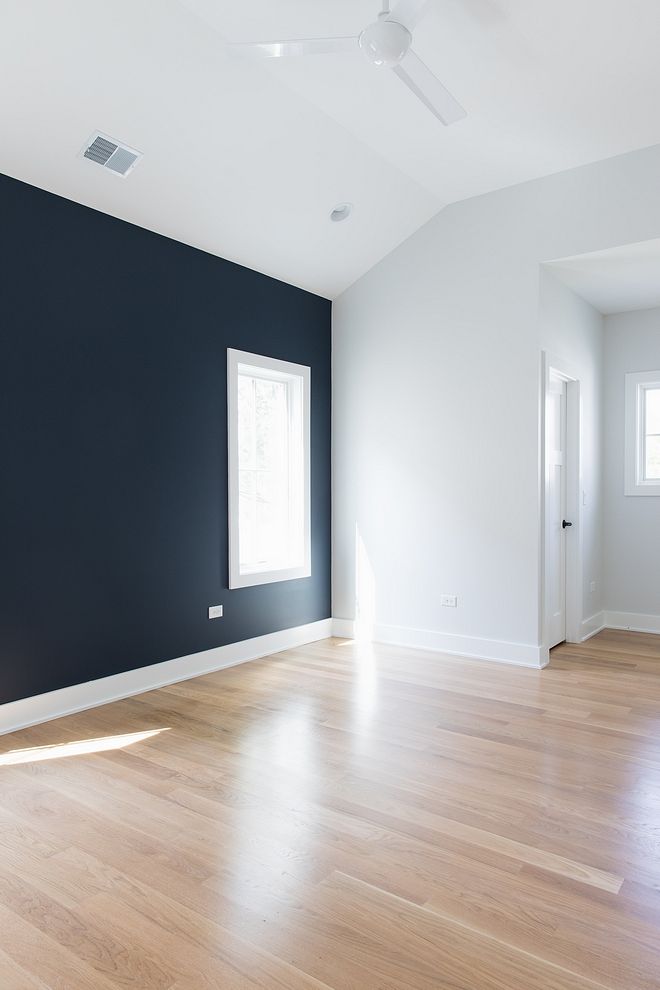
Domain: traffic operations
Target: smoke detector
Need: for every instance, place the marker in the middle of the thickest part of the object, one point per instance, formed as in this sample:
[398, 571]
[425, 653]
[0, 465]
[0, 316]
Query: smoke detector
[342, 211]
[111, 154]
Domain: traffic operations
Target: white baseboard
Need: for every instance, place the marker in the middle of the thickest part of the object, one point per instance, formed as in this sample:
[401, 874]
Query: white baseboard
[521, 654]
[633, 621]
[591, 626]
[44, 707]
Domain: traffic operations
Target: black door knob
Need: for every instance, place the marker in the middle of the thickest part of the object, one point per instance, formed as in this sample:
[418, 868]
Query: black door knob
[564, 524]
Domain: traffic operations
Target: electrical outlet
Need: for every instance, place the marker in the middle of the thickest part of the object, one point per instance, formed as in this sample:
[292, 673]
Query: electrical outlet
[449, 601]
[592, 587]
[215, 611]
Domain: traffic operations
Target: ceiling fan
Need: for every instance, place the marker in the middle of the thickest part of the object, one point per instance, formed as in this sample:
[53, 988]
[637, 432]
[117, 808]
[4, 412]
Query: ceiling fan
[386, 42]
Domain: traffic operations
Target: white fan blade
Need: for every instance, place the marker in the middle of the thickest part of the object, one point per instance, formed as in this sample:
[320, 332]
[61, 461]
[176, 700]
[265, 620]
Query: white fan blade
[419, 78]
[304, 46]
[408, 12]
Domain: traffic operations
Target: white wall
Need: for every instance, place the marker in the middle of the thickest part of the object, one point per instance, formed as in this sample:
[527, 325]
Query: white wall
[632, 524]
[436, 400]
[572, 331]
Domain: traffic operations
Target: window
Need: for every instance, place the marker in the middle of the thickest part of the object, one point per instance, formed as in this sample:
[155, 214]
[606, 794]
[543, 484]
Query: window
[643, 433]
[269, 469]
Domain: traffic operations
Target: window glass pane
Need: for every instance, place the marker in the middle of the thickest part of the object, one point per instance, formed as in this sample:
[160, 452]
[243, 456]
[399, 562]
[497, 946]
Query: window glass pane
[652, 434]
[652, 467]
[652, 410]
[271, 479]
[270, 424]
[245, 422]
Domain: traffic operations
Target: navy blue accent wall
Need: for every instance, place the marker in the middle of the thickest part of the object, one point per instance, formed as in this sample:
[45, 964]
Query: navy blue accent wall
[113, 444]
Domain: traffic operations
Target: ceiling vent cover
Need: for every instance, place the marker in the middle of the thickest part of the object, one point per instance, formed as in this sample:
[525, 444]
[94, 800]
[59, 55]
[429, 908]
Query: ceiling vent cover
[110, 154]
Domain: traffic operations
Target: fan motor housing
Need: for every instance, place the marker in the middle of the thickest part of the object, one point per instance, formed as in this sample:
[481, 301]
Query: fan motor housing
[385, 42]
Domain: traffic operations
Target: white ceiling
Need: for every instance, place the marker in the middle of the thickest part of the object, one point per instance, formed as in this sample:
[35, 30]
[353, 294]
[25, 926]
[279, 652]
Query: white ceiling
[618, 280]
[246, 160]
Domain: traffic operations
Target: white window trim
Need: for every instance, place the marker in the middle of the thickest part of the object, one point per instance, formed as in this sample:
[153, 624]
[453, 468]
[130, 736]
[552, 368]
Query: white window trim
[275, 369]
[636, 384]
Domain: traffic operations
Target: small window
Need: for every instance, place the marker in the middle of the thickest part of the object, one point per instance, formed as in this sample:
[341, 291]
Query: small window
[269, 469]
[643, 433]
[652, 433]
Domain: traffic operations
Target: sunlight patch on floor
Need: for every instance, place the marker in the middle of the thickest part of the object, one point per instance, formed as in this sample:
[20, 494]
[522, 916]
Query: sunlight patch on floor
[36, 754]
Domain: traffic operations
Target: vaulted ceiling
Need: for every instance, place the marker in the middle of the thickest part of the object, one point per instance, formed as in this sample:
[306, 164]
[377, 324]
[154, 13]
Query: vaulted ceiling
[247, 159]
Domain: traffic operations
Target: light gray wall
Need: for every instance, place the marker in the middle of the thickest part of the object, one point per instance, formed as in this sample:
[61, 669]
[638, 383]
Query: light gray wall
[436, 402]
[632, 524]
[572, 331]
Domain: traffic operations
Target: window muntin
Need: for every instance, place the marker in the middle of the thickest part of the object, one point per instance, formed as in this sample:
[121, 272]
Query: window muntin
[269, 458]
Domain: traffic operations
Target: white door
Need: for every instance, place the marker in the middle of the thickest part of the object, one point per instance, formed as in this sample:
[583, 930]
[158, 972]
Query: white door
[556, 510]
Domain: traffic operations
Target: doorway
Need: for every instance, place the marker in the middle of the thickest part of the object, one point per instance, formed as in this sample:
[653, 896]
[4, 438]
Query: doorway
[562, 605]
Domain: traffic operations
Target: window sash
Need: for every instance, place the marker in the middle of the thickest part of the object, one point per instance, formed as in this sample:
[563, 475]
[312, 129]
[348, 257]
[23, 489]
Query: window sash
[638, 480]
[646, 434]
[295, 559]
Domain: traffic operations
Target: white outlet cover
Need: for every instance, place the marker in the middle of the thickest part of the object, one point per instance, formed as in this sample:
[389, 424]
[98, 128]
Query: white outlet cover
[215, 611]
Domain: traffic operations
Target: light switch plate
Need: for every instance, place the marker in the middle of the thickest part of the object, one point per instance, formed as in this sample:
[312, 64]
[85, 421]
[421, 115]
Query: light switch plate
[215, 611]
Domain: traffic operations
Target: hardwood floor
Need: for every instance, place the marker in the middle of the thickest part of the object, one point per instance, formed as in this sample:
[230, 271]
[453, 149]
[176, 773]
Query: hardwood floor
[344, 816]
